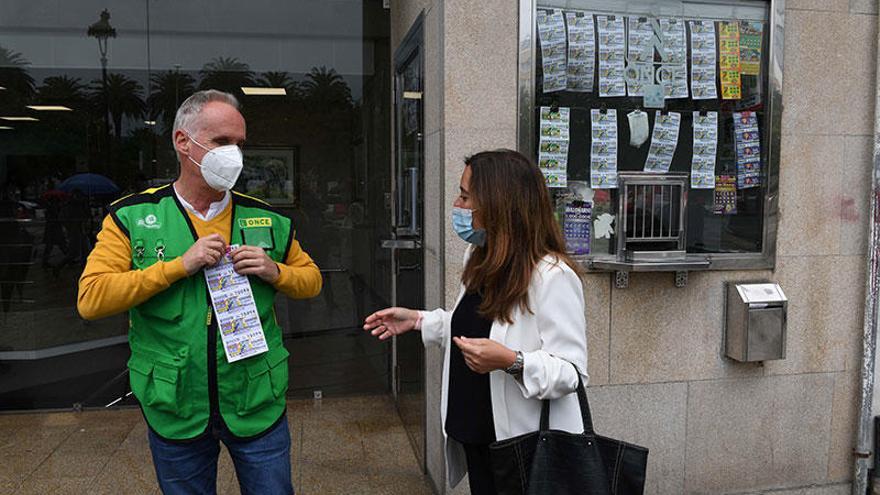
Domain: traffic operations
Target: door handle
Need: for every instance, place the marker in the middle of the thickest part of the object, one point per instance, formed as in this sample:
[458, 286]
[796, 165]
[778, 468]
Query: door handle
[401, 244]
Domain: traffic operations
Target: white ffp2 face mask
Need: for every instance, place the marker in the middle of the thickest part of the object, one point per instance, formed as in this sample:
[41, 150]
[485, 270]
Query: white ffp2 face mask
[220, 166]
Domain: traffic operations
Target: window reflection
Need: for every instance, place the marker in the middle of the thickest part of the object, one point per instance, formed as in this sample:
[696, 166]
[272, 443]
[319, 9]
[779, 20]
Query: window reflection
[74, 137]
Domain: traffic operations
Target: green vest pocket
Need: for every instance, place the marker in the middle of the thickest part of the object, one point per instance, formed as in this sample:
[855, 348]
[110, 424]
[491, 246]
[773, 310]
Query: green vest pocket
[166, 305]
[159, 383]
[266, 380]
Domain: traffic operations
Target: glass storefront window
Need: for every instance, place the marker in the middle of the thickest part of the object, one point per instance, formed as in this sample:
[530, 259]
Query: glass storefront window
[656, 124]
[87, 101]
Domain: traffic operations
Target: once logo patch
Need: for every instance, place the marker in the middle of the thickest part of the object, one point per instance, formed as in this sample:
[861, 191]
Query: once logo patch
[257, 232]
[246, 223]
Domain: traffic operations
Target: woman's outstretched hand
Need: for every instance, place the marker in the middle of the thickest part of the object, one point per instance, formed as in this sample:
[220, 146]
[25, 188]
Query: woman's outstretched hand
[391, 321]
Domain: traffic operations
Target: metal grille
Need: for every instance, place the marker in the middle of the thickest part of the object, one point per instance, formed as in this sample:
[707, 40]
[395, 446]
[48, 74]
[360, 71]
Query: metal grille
[652, 211]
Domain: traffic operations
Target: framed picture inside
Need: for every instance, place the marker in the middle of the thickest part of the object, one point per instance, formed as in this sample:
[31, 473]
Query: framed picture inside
[270, 174]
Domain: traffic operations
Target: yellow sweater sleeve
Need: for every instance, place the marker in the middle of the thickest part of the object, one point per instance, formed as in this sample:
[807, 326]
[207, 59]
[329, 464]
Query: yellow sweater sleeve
[299, 276]
[108, 284]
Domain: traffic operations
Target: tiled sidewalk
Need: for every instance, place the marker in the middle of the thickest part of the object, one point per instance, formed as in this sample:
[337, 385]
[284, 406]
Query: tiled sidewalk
[340, 446]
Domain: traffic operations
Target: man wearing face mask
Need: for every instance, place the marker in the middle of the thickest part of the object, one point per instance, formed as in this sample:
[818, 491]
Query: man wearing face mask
[149, 260]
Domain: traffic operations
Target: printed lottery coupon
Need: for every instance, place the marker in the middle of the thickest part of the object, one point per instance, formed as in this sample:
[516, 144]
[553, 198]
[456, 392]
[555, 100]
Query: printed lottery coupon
[551, 33]
[612, 55]
[664, 140]
[731, 79]
[639, 55]
[703, 60]
[705, 149]
[603, 153]
[748, 149]
[553, 145]
[673, 68]
[237, 315]
[581, 51]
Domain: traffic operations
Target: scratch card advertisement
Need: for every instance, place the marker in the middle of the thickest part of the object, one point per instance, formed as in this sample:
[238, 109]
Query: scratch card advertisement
[576, 222]
[751, 35]
[748, 149]
[729, 60]
[725, 195]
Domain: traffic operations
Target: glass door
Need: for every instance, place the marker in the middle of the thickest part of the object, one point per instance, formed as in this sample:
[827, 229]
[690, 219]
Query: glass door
[406, 240]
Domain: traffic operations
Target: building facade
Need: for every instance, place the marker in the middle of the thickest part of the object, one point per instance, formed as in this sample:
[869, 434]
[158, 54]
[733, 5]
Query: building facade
[360, 115]
[658, 374]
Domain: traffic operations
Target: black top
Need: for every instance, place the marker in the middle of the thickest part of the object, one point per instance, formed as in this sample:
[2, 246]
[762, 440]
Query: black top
[469, 405]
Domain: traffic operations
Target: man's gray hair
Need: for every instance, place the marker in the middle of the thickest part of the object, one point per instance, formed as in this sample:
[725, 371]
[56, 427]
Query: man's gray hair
[188, 113]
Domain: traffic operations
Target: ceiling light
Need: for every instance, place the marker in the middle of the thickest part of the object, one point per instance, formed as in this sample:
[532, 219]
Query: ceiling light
[2, 88]
[150, 122]
[50, 108]
[254, 91]
[19, 119]
[5, 128]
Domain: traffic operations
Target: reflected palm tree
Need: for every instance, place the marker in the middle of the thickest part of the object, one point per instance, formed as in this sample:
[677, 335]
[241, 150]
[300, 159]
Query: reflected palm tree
[14, 76]
[169, 89]
[326, 87]
[273, 79]
[67, 127]
[123, 99]
[62, 90]
[226, 74]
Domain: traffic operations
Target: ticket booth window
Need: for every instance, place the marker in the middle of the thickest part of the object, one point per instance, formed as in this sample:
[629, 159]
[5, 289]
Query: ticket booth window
[656, 125]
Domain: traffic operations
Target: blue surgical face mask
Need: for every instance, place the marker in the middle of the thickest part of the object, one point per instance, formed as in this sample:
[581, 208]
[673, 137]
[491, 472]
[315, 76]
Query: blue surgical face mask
[463, 223]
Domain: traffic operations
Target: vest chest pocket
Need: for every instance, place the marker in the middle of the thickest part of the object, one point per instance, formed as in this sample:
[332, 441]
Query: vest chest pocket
[266, 380]
[160, 383]
[166, 305]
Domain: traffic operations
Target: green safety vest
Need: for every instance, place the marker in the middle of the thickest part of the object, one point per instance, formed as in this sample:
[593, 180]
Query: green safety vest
[178, 369]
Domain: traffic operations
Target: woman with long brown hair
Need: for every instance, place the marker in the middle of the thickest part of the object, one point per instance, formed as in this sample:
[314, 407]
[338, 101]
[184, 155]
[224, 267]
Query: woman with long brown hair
[517, 333]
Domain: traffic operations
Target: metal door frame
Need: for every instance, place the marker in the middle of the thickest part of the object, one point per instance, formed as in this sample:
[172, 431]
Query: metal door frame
[412, 45]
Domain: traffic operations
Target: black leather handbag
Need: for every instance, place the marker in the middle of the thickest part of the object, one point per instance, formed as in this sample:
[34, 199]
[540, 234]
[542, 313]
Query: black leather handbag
[554, 462]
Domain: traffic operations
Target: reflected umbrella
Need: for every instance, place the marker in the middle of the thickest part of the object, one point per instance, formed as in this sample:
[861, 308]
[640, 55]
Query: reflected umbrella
[91, 184]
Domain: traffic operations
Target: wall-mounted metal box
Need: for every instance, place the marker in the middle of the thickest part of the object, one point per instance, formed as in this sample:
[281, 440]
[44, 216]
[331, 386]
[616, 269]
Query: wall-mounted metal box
[756, 322]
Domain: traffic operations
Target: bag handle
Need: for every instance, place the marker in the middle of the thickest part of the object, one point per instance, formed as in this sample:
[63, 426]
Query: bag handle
[586, 416]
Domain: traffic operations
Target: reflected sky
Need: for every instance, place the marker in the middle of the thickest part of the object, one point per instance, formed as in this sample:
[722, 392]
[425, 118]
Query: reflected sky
[267, 35]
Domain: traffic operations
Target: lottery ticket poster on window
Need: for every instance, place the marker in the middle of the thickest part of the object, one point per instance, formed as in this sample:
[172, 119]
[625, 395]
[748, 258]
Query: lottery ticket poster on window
[581, 66]
[612, 55]
[603, 150]
[553, 145]
[551, 35]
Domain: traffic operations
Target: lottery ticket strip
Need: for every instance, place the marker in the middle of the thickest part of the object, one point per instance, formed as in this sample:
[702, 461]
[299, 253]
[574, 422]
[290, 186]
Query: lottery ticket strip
[237, 316]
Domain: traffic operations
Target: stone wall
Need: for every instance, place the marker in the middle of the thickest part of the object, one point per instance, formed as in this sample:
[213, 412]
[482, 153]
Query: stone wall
[657, 374]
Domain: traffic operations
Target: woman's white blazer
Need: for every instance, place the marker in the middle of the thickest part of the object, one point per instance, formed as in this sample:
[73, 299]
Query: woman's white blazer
[552, 338]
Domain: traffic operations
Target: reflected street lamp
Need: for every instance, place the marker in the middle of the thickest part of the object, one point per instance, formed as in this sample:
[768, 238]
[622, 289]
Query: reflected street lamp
[103, 31]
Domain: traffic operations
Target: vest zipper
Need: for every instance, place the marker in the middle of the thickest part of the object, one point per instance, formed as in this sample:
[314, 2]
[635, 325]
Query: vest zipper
[212, 362]
[211, 351]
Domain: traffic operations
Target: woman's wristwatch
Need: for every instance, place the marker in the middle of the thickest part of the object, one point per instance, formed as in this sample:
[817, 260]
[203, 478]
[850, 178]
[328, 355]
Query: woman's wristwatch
[517, 367]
